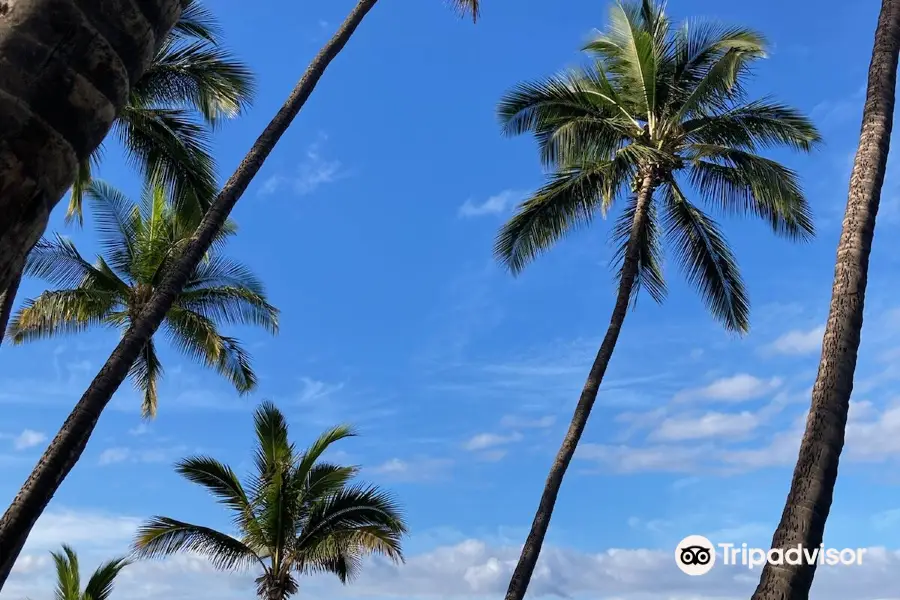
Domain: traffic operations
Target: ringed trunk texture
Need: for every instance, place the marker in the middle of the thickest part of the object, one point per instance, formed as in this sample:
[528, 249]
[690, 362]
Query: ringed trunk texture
[812, 486]
[521, 577]
[7, 300]
[66, 69]
[66, 448]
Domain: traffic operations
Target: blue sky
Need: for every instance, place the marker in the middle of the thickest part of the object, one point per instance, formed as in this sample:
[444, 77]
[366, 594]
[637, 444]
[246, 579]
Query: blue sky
[372, 225]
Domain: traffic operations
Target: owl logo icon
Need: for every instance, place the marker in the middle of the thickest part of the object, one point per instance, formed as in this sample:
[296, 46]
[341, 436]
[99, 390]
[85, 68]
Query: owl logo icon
[695, 555]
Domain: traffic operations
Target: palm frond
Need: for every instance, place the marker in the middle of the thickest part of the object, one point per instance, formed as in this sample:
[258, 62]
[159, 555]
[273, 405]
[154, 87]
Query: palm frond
[744, 183]
[116, 224]
[706, 259]
[68, 580]
[197, 22]
[146, 371]
[161, 536]
[324, 479]
[75, 210]
[100, 585]
[231, 305]
[313, 453]
[59, 263]
[470, 8]
[60, 312]
[273, 449]
[221, 271]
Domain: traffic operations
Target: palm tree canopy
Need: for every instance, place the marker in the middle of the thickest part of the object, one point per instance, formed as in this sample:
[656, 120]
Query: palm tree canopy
[669, 103]
[296, 513]
[191, 76]
[139, 243]
[68, 578]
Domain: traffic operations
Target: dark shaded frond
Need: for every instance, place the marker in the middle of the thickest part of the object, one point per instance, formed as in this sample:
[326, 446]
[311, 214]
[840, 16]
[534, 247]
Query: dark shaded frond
[650, 258]
[231, 305]
[58, 262]
[757, 125]
[273, 450]
[220, 271]
[467, 8]
[146, 371]
[706, 259]
[311, 455]
[75, 209]
[116, 223]
[161, 537]
[196, 21]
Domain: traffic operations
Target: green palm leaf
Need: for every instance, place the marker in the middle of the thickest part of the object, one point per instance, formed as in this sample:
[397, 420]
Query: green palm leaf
[161, 537]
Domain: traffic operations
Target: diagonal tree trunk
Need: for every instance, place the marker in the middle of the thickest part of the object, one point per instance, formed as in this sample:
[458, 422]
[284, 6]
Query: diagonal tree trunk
[67, 68]
[521, 577]
[812, 486]
[66, 448]
[7, 299]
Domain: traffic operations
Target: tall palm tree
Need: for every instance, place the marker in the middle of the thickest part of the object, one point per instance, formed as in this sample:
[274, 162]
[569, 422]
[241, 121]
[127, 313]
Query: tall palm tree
[659, 116]
[191, 75]
[68, 69]
[68, 577]
[296, 514]
[140, 242]
[815, 475]
[71, 440]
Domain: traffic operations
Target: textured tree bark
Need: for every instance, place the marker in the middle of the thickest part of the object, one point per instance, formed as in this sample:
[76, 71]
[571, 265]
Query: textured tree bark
[66, 448]
[812, 486]
[521, 577]
[7, 300]
[66, 67]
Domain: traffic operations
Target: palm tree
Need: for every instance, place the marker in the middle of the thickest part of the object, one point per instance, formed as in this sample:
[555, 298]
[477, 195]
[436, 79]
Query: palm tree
[72, 438]
[815, 475]
[68, 578]
[190, 75]
[295, 515]
[659, 116]
[140, 243]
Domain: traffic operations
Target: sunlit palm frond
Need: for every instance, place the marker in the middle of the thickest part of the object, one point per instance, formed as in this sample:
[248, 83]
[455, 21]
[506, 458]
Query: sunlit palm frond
[100, 585]
[231, 305]
[273, 449]
[706, 259]
[161, 537]
[59, 312]
[324, 479]
[314, 452]
[146, 371]
[68, 579]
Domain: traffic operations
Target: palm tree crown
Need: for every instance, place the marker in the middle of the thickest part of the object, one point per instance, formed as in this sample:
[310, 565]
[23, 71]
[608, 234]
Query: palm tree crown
[664, 108]
[295, 515]
[192, 75]
[68, 578]
[140, 243]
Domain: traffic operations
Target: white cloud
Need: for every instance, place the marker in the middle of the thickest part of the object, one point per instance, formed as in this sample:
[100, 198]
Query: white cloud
[709, 425]
[483, 441]
[311, 174]
[633, 459]
[120, 454]
[28, 439]
[414, 469]
[519, 422]
[494, 205]
[798, 342]
[470, 569]
[737, 388]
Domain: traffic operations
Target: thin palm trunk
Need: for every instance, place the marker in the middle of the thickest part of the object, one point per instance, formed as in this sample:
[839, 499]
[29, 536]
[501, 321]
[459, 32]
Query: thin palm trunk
[68, 68]
[7, 299]
[521, 577]
[66, 448]
[812, 486]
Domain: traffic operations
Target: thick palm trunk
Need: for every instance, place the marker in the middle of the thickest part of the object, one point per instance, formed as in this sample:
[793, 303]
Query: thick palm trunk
[812, 486]
[69, 443]
[7, 299]
[67, 68]
[521, 577]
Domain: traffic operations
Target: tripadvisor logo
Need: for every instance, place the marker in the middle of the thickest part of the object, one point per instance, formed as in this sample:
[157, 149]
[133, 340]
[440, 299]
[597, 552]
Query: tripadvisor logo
[696, 555]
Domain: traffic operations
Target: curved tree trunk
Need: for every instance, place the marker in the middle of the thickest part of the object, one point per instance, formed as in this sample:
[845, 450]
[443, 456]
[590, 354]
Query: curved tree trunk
[7, 299]
[66, 448]
[521, 577]
[67, 69]
[812, 486]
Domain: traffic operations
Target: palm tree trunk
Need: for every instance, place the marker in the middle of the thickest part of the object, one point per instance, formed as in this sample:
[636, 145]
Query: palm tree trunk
[521, 577]
[67, 69]
[66, 448]
[812, 486]
[7, 299]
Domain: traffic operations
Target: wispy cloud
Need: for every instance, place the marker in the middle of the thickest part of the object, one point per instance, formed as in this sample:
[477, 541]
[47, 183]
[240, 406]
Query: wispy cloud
[737, 388]
[122, 454]
[798, 342]
[314, 172]
[494, 205]
[421, 468]
[28, 439]
[483, 441]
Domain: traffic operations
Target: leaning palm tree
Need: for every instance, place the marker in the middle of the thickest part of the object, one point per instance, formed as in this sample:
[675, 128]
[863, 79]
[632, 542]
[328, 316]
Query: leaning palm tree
[815, 475]
[71, 440]
[68, 577]
[659, 118]
[191, 76]
[296, 514]
[140, 242]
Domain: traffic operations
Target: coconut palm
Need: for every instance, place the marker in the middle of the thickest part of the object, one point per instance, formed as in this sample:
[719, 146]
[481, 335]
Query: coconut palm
[68, 577]
[140, 242]
[191, 76]
[815, 475]
[296, 514]
[659, 120]
[71, 440]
